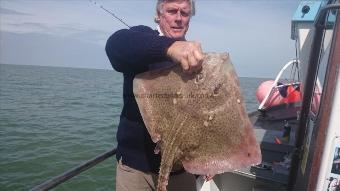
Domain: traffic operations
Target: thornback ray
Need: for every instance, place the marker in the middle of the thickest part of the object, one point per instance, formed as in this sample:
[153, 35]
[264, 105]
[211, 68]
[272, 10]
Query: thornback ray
[197, 120]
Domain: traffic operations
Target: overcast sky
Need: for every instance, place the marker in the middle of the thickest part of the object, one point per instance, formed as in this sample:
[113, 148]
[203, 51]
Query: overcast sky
[73, 33]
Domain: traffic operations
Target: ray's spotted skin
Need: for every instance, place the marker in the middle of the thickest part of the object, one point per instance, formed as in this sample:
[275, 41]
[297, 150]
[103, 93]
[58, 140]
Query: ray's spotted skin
[206, 129]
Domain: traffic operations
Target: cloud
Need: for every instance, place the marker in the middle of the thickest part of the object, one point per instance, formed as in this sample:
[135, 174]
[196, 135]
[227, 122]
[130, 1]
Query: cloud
[11, 12]
[47, 28]
[50, 50]
[91, 36]
[30, 25]
[71, 27]
[70, 30]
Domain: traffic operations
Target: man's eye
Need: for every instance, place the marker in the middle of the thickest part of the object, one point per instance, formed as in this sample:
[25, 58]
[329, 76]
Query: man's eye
[173, 12]
[184, 14]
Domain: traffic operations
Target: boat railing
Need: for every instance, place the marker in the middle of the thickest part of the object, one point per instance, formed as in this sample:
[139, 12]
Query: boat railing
[53, 182]
[275, 86]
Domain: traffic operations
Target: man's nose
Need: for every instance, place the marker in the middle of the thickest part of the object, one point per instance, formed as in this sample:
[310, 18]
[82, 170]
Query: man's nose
[178, 16]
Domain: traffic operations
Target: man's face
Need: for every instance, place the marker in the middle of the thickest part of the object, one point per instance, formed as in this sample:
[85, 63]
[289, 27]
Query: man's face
[174, 18]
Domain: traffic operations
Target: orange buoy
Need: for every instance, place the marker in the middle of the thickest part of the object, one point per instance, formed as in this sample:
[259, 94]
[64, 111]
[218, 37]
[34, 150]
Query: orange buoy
[289, 94]
[293, 94]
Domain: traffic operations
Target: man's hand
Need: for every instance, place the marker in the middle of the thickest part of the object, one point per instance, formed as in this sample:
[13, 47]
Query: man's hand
[188, 54]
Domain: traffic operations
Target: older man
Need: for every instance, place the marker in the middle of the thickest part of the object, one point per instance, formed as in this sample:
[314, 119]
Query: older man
[136, 50]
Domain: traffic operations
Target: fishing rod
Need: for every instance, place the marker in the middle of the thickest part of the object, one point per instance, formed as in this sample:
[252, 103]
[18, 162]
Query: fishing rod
[111, 13]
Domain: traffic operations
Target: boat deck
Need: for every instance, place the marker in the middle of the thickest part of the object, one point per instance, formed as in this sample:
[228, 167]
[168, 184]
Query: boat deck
[273, 172]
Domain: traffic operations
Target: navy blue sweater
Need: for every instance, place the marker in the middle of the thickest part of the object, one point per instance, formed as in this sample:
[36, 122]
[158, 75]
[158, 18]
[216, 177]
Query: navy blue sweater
[133, 51]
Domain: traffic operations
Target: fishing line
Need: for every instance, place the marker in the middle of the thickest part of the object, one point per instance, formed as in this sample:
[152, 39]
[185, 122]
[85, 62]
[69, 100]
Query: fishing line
[111, 13]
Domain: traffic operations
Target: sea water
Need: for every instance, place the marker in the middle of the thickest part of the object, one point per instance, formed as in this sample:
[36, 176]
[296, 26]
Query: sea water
[53, 119]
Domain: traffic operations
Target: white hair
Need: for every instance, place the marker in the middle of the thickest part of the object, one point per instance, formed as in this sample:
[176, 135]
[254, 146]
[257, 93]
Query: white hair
[160, 2]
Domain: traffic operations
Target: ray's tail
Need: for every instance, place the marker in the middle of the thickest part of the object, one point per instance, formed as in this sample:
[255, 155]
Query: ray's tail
[170, 152]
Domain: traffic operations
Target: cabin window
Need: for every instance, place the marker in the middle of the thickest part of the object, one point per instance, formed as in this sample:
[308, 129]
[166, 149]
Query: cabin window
[323, 61]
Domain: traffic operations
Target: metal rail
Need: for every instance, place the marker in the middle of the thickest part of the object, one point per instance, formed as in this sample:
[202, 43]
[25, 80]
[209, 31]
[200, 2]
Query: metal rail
[274, 85]
[53, 182]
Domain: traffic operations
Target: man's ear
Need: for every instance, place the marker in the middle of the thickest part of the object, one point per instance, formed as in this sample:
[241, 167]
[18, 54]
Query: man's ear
[157, 19]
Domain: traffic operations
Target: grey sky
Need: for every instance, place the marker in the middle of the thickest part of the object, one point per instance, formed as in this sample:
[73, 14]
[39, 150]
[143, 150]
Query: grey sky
[73, 33]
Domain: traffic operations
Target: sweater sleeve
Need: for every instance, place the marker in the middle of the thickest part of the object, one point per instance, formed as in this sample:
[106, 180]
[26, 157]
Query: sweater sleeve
[131, 50]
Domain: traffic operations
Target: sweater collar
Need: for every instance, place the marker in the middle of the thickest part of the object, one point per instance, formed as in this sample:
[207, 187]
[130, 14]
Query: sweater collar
[159, 31]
